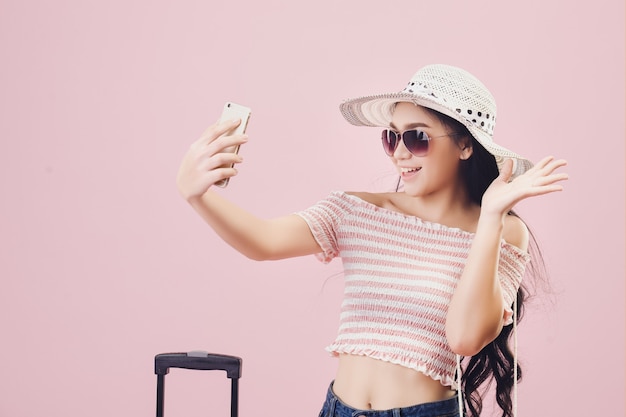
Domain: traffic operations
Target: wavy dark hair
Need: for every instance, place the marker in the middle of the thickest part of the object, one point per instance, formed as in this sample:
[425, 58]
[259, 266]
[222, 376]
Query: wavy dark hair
[495, 361]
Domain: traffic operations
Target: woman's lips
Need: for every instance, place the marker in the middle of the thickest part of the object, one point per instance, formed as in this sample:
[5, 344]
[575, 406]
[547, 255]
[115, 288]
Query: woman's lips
[409, 172]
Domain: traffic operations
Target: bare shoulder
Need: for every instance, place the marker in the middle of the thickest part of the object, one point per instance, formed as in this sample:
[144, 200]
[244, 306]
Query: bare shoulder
[515, 232]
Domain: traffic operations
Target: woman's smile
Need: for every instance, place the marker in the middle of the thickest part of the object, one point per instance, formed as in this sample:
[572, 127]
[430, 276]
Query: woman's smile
[409, 172]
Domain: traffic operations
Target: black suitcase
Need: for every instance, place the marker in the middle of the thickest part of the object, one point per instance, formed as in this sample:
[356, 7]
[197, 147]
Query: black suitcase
[201, 361]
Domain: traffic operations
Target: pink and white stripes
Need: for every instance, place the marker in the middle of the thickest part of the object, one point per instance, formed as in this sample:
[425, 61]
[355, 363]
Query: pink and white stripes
[400, 274]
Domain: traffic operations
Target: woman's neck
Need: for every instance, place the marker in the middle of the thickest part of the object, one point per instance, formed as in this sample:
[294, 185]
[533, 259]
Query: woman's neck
[451, 207]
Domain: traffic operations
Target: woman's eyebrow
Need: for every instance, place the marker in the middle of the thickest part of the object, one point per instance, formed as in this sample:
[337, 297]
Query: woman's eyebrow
[410, 125]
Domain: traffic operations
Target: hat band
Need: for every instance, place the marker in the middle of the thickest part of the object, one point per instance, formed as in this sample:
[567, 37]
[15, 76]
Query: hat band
[480, 119]
[419, 87]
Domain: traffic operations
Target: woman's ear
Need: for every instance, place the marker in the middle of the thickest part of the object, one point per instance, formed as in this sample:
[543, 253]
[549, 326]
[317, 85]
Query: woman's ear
[466, 149]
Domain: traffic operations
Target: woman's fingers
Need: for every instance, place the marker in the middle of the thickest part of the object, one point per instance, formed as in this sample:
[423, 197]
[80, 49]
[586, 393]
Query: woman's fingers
[210, 159]
[216, 130]
[216, 139]
[550, 179]
[544, 168]
[546, 175]
[220, 160]
[507, 170]
[542, 178]
[226, 143]
[547, 165]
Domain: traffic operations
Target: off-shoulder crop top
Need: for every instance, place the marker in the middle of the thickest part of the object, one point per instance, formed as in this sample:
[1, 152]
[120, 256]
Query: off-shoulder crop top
[400, 274]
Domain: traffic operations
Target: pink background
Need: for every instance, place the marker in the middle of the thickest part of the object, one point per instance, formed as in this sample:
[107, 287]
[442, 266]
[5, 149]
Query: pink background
[103, 266]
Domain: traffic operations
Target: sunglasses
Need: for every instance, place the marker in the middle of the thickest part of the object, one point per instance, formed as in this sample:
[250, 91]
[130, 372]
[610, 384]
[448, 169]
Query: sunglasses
[416, 141]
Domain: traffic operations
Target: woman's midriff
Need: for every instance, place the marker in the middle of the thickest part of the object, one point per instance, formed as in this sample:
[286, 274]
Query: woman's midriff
[365, 383]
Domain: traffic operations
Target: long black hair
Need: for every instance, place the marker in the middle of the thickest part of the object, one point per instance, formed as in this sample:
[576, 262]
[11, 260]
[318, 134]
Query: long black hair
[495, 361]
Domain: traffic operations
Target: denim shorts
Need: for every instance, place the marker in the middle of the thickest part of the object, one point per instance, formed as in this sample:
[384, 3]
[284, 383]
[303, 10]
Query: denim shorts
[333, 407]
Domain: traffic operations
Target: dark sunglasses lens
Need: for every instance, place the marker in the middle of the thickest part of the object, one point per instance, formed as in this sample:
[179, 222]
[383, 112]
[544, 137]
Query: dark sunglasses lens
[390, 141]
[416, 142]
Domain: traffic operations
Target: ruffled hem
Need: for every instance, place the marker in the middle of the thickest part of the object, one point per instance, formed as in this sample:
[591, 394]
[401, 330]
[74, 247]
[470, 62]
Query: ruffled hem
[328, 252]
[445, 380]
[516, 252]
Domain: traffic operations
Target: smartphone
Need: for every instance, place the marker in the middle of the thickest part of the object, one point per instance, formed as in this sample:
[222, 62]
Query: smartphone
[234, 111]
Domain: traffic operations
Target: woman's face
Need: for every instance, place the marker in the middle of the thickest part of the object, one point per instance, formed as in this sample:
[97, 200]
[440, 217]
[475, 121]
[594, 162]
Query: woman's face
[436, 171]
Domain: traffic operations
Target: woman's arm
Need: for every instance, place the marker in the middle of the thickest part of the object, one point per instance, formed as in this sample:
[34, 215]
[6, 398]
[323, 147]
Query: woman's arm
[255, 238]
[475, 314]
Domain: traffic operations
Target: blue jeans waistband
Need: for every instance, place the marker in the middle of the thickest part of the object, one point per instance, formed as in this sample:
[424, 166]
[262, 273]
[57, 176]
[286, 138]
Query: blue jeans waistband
[333, 407]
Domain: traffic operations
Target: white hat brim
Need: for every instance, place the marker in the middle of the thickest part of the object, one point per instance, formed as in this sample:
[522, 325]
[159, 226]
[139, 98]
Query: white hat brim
[377, 111]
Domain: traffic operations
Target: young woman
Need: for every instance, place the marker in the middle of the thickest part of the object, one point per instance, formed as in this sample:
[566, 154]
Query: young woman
[432, 272]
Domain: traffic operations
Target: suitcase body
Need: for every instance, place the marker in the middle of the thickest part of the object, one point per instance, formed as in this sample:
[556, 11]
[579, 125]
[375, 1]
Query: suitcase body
[198, 360]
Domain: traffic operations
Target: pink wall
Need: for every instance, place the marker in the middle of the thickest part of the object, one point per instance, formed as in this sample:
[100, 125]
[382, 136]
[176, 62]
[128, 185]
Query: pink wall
[102, 265]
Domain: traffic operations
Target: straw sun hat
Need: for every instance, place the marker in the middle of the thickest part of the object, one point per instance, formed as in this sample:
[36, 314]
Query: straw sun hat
[448, 90]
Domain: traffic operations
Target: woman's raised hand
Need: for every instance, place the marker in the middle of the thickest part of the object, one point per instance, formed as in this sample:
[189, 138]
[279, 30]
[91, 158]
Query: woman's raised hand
[206, 163]
[541, 179]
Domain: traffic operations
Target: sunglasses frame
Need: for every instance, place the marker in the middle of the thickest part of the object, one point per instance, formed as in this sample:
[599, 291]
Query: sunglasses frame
[385, 134]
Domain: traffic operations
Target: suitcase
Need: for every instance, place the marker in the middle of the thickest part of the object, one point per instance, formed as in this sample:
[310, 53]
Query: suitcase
[202, 361]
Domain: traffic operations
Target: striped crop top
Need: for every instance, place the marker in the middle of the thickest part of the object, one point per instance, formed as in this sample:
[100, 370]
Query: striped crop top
[400, 274]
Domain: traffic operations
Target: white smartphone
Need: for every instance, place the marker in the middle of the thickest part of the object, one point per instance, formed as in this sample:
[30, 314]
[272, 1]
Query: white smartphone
[234, 111]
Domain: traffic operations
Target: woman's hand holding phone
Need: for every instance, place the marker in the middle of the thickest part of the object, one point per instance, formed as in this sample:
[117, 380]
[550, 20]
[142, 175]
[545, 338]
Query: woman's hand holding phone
[210, 159]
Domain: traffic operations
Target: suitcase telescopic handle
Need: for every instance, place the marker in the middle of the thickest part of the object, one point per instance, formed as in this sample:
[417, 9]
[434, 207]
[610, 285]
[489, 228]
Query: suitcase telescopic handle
[202, 361]
[198, 360]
